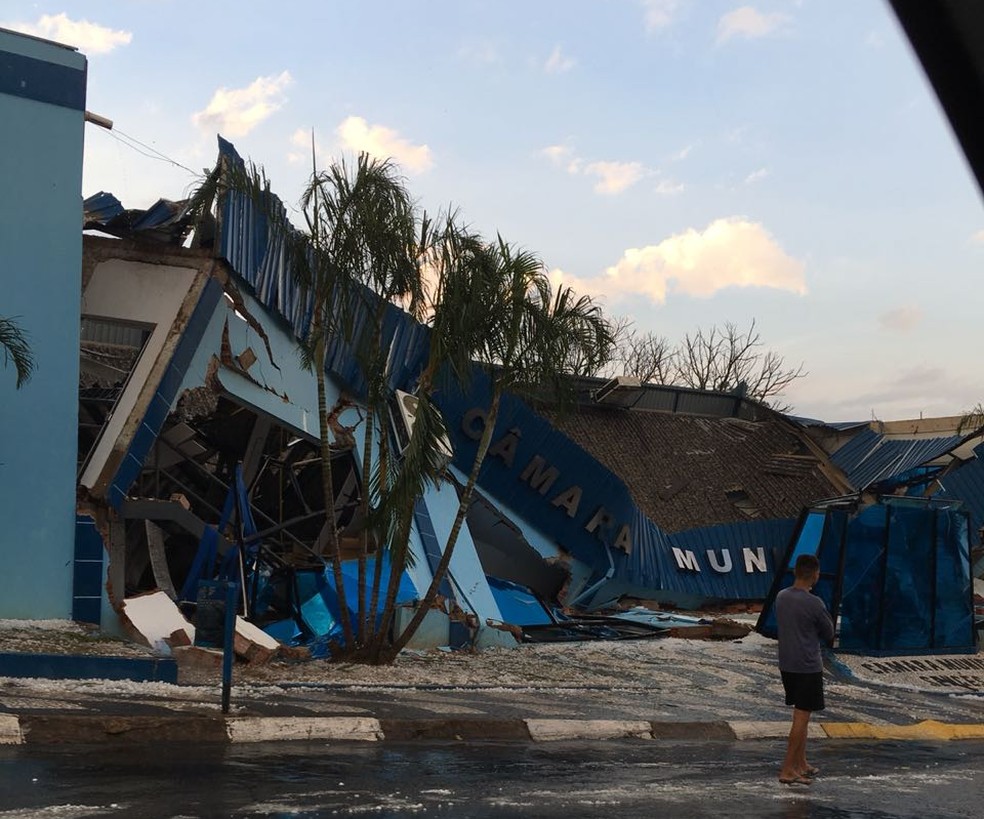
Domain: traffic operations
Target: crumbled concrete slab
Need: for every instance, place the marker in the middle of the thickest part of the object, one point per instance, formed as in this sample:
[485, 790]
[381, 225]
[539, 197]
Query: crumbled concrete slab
[155, 617]
[253, 644]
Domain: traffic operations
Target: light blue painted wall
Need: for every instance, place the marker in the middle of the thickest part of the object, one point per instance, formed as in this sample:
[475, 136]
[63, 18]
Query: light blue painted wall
[465, 567]
[579, 572]
[40, 269]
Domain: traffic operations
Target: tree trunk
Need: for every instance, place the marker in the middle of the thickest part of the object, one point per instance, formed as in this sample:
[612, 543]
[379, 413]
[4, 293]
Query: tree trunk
[398, 563]
[364, 507]
[329, 495]
[377, 575]
[442, 567]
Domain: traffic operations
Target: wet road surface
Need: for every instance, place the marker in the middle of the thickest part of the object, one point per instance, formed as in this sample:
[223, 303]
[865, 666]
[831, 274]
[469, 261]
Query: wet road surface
[627, 779]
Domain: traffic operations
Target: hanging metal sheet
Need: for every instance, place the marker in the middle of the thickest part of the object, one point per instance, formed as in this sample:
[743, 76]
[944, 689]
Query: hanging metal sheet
[259, 256]
[967, 484]
[870, 458]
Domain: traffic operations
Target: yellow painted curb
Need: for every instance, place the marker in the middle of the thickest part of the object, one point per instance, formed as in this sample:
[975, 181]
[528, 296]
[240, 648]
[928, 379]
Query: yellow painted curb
[927, 729]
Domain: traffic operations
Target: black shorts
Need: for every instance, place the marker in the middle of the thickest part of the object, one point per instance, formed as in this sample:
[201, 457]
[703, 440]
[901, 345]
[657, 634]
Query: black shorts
[804, 691]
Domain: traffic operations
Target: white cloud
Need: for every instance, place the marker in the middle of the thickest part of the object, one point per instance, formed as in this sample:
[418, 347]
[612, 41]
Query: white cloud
[385, 143]
[235, 112]
[731, 252]
[659, 14]
[756, 176]
[557, 63]
[749, 23]
[901, 319]
[615, 177]
[978, 238]
[667, 187]
[682, 154]
[89, 38]
[301, 142]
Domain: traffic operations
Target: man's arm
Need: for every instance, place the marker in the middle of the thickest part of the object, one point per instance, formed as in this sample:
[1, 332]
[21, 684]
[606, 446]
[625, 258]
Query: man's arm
[825, 625]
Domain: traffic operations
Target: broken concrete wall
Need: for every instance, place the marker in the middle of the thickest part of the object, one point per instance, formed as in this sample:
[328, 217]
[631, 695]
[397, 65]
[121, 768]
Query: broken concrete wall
[466, 575]
[160, 298]
[243, 395]
[260, 366]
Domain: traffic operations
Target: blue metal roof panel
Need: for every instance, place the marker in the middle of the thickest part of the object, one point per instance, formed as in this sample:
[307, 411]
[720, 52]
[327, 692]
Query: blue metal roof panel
[967, 484]
[869, 457]
[840, 426]
[259, 256]
[101, 207]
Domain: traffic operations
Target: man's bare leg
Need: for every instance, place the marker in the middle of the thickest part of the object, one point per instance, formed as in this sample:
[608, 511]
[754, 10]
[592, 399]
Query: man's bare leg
[795, 762]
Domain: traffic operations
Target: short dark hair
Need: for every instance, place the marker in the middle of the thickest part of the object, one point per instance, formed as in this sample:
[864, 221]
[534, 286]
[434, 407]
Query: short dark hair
[806, 566]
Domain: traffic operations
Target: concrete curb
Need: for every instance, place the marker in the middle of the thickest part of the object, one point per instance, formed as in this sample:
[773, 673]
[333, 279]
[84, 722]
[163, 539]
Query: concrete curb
[47, 730]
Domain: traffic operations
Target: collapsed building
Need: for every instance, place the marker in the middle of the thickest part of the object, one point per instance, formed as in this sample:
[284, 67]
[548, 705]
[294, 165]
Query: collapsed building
[192, 394]
[197, 439]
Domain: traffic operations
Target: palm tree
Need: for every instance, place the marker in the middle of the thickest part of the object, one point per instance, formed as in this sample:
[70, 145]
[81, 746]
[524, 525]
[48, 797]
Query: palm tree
[352, 259]
[13, 341]
[393, 245]
[458, 267]
[525, 337]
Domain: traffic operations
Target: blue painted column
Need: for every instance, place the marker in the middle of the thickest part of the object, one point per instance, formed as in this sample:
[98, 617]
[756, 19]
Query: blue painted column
[42, 104]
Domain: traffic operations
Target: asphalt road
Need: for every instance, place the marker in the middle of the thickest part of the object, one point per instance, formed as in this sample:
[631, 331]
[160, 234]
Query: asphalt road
[626, 779]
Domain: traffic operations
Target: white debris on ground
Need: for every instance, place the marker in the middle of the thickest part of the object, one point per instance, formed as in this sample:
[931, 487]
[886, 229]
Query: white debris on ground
[625, 663]
[719, 668]
[64, 637]
[942, 673]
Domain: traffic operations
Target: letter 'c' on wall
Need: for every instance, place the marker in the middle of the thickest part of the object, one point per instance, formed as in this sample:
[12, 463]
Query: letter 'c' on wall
[468, 425]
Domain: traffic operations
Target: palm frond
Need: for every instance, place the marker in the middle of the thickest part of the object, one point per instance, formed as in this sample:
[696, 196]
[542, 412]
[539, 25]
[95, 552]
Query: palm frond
[16, 350]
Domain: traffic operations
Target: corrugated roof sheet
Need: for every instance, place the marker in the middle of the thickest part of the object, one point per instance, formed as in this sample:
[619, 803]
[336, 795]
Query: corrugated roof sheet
[967, 484]
[870, 458]
[246, 242]
[840, 426]
[165, 221]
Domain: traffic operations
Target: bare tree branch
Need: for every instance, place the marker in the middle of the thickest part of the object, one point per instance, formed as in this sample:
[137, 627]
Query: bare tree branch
[723, 359]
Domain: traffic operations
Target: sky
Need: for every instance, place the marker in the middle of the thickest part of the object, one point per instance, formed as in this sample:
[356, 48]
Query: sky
[688, 162]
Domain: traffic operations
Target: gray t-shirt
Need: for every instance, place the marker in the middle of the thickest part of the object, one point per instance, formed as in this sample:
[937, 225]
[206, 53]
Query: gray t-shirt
[803, 622]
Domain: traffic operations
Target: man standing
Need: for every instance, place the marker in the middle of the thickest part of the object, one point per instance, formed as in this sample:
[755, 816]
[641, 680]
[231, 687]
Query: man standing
[803, 622]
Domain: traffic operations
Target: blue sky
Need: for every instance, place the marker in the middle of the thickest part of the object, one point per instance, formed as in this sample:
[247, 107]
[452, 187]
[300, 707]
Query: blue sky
[692, 162]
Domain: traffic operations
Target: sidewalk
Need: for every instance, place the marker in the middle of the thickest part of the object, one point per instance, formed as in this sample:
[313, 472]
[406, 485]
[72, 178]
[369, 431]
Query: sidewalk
[665, 689]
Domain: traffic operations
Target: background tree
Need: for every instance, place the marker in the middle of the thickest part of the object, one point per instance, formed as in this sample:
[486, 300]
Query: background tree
[731, 360]
[16, 351]
[649, 357]
[722, 359]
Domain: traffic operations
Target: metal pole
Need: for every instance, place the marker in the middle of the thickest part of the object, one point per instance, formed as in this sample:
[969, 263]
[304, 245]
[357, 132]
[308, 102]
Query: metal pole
[232, 591]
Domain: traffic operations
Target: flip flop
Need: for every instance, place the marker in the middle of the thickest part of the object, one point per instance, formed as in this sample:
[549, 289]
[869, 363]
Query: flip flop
[811, 772]
[796, 780]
